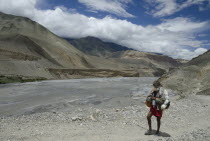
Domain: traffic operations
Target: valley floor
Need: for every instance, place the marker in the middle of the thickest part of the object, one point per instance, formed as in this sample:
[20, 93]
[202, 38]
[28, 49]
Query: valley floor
[113, 117]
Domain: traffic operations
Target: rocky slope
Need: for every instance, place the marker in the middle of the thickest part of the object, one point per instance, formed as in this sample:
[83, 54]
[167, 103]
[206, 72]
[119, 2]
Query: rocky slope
[148, 59]
[148, 64]
[193, 77]
[27, 48]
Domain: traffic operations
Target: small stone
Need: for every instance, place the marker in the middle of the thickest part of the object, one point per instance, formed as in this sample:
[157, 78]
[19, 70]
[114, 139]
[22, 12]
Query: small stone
[98, 111]
[76, 119]
[124, 123]
[92, 118]
[117, 110]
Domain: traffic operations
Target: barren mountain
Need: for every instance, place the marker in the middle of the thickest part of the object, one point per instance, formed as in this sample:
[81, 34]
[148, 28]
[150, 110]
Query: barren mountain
[147, 64]
[29, 51]
[28, 48]
[158, 61]
[193, 77]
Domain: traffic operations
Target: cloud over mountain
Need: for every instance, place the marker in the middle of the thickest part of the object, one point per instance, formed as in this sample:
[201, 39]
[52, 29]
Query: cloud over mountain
[173, 37]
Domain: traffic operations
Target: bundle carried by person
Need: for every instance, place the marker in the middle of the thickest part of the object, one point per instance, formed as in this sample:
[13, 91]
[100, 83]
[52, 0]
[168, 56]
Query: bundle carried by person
[158, 97]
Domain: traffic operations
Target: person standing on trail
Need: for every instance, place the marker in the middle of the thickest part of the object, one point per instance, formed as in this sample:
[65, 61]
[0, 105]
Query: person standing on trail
[157, 100]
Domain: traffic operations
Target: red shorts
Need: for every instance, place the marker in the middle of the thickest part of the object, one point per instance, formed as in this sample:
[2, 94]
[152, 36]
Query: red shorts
[156, 112]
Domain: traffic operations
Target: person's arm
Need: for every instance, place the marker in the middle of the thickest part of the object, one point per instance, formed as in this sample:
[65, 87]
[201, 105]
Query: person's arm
[165, 92]
[166, 96]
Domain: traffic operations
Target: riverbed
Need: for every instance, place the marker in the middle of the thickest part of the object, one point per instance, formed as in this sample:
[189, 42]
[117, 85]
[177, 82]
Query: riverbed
[63, 95]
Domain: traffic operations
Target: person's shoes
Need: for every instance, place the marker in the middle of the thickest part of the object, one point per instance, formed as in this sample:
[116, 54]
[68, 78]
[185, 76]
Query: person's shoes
[149, 132]
[157, 133]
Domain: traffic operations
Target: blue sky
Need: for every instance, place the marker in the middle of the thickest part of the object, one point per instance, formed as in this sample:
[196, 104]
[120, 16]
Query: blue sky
[177, 28]
[136, 8]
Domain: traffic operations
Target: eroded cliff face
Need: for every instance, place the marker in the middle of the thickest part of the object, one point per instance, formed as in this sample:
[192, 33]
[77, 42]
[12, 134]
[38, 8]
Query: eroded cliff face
[193, 77]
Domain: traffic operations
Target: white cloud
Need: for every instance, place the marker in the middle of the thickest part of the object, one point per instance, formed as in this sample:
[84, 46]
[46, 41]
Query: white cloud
[20, 7]
[116, 7]
[200, 51]
[161, 8]
[181, 24]
[171, 37]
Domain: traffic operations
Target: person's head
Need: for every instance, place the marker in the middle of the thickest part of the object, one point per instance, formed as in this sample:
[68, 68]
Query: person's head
[157, 84]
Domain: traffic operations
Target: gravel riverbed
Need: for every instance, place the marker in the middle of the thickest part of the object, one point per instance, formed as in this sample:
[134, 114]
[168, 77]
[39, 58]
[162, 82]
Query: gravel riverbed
[105, 109]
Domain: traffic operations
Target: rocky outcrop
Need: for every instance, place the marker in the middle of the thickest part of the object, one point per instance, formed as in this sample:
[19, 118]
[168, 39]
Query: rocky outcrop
[192, 77]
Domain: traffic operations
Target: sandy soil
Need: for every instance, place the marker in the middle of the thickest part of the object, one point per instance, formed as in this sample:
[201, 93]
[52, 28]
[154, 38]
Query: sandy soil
[187, 119]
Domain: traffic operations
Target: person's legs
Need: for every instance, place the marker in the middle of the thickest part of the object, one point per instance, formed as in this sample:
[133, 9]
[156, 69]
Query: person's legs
[158, 125]
[149, 115]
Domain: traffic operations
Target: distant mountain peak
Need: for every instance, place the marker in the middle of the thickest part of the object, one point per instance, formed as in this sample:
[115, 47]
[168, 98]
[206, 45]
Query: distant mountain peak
[96, 47]
[91, 38]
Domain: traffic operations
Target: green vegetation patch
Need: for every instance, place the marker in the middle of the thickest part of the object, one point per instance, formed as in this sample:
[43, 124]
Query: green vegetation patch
[17, 78]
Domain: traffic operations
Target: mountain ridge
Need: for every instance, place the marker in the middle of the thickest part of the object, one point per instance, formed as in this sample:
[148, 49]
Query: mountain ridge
[135, 59]
[29, 49]
[94, 46]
